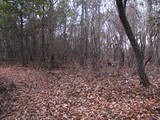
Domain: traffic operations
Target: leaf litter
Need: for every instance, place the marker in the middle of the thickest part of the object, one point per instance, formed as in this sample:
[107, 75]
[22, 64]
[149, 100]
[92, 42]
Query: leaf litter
[81, 94]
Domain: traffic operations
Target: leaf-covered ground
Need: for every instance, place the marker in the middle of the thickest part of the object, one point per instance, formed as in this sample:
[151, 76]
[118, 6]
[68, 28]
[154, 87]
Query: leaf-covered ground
[76, 94]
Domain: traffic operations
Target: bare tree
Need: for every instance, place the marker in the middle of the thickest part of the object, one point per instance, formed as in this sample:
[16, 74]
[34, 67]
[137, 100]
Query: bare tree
[121, 5]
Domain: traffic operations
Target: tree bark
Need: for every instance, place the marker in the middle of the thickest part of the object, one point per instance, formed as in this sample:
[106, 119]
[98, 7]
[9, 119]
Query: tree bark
[43, 40]
[23, 57]
[121, 5]
[82, 42]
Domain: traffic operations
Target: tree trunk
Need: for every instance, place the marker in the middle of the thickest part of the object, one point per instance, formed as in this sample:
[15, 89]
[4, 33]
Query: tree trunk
[86, 31]
[43, 40]
[82, 42]
[23, 59]
[138, 53]
[51, 48]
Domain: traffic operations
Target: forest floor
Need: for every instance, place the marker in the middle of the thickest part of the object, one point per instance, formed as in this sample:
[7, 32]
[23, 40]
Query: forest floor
[76, 93]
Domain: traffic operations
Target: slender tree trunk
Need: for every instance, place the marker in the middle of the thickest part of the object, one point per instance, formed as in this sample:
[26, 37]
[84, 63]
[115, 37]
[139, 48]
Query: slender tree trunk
[23, 60]
[86, 31]
[99, 29]
[82, 61]
[43, 40]
[51, 50]
[149, 31]
[138, 53]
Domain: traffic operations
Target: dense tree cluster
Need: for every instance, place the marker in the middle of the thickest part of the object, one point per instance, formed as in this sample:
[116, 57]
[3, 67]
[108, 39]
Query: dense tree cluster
[49, 33]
